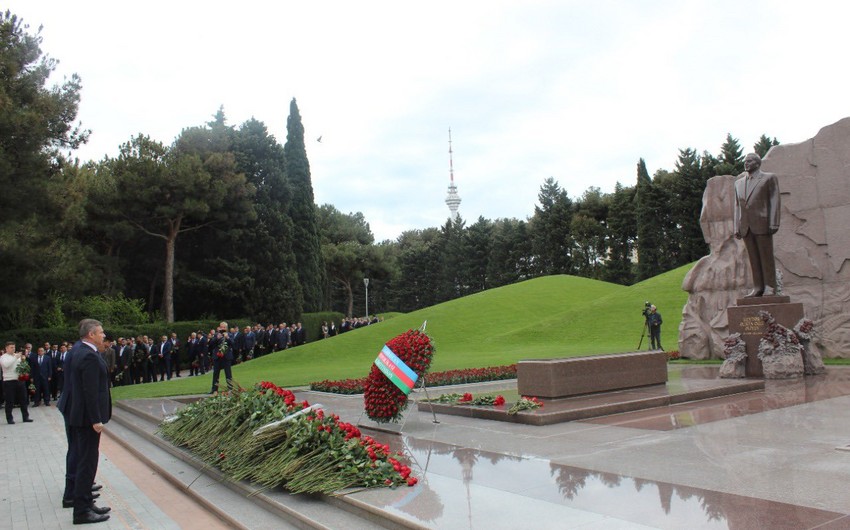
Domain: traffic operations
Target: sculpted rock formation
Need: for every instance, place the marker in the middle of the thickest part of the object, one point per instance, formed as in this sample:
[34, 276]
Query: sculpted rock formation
[812, 247]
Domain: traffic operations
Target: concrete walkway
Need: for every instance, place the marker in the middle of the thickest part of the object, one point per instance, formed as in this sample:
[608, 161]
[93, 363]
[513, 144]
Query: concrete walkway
[32, 475]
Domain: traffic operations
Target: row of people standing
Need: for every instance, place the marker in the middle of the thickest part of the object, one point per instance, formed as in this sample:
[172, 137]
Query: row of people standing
[144, 359]
[46, 373]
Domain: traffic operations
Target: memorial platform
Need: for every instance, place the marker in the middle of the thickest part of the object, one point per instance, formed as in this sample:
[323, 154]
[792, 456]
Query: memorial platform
[594, 405]
[773, 458]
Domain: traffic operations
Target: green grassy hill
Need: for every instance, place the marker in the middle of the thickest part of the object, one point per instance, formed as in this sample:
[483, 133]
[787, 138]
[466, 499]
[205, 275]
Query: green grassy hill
[554, 316]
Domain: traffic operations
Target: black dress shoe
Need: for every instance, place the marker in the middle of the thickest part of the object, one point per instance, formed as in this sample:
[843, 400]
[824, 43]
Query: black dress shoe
[95, 495]
[27, 420]
[67, 503]
[100, 510]
[96, 487]
[11, 422]
[89, 517]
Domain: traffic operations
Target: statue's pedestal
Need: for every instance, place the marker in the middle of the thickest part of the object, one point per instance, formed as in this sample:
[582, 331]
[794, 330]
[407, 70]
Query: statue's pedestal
[744, 319]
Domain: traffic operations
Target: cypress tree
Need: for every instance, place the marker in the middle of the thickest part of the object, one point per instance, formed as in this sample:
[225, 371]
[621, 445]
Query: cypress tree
[302, 210]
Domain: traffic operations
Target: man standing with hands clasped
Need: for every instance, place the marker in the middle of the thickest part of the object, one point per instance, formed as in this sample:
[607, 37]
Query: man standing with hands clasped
[87, 408]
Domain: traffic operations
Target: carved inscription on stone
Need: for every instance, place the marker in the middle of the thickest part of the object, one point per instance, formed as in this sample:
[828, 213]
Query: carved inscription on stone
[752, 325]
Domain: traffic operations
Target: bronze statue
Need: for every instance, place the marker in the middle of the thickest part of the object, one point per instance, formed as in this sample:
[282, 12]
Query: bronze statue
[756, 220]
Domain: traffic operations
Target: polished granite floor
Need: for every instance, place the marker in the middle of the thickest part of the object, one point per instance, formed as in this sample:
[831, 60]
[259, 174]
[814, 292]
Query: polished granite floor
[767, 459]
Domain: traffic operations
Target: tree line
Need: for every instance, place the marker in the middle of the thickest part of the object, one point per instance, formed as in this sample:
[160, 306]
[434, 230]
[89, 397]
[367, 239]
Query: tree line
[631, 234]
[222, 222]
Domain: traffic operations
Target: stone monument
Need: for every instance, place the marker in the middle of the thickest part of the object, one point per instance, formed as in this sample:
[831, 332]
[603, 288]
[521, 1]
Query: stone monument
[811, 248]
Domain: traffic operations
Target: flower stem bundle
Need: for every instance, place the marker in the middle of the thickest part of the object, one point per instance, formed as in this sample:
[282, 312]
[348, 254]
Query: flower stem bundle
[256, 435]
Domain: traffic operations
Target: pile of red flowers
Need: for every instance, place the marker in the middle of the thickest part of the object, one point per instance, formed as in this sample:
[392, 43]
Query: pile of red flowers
[384, 401]
[267, 436]
[377, 452]
[449, 377]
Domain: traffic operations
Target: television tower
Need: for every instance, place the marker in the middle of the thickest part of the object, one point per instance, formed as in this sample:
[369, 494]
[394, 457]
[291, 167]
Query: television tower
[452, 199]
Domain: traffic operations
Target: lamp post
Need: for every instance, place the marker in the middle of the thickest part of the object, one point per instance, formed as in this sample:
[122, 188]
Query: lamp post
[366, 283]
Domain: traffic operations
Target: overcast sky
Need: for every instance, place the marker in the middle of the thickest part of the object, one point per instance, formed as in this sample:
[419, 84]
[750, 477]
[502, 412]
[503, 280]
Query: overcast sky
[575, 90]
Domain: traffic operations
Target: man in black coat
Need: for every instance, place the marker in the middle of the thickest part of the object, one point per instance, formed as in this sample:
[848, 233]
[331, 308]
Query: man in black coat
[86, 405]
[221, 350]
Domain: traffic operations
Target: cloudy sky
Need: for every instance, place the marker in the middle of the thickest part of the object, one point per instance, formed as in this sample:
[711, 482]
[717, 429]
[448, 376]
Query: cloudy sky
[575, 90]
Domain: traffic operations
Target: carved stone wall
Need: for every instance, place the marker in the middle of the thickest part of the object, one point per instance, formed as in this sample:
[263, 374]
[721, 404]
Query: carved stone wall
[812, 247]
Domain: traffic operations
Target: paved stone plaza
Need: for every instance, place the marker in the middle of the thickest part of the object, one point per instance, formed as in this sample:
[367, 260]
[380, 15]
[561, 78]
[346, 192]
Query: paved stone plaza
[767, 459]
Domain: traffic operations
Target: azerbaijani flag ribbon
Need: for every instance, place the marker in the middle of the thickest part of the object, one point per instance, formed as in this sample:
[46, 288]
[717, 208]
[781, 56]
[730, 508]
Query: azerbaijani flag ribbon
[395, 370]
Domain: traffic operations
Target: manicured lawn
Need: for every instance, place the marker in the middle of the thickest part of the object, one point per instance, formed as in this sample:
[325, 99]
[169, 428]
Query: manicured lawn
[554, 316]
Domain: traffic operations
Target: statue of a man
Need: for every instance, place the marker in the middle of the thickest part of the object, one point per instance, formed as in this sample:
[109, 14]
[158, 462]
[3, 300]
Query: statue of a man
[756, 220]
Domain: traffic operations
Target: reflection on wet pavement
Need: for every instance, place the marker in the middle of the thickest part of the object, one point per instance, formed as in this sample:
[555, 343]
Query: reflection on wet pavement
[461, 486]
[776, 395]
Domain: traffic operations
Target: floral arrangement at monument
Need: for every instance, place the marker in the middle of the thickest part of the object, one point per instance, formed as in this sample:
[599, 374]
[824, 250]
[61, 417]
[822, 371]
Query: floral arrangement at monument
[265, 435]
[777, 339]
[812, 361]
[525, 403]
[735, 354]
[787, 352]
[449, 377]
[401, 362]
[467, 399]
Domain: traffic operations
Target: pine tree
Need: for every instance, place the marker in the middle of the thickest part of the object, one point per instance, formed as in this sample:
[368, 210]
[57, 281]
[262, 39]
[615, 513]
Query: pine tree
[688, 185]
[764, 144]
[648, 224]
[731, 159]
[302, 210]
[550, 228]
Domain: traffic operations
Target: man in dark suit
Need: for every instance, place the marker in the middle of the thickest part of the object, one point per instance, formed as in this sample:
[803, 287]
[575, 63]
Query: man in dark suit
[756, 220]
[237, 340]
[53, 353]
[283, 337]
[221, 349]
[175, 355]
[201, 350]
[162, 351]
[125, 360]
[42, 374]
[86, 406]
[300, 335]
[249, 342]
[60, 368]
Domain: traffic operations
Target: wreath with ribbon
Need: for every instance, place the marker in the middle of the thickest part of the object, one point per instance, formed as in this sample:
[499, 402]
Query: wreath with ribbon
[400, 363]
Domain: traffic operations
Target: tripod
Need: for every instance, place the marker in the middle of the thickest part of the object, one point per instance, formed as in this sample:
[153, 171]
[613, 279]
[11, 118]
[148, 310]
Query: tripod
[643, 333]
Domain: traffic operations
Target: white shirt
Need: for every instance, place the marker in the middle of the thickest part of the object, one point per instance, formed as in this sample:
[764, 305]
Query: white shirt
[10, 366]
